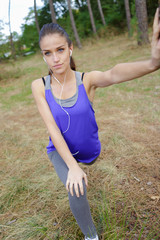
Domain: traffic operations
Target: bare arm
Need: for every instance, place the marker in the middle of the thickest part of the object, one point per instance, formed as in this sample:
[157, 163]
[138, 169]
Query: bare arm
[127, 71]
[75, 173]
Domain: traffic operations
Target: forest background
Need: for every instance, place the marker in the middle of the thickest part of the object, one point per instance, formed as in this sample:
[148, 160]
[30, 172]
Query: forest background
[87, 19]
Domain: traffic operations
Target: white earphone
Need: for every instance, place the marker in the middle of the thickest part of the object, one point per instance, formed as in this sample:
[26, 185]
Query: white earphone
[62, 85]
[44, 59]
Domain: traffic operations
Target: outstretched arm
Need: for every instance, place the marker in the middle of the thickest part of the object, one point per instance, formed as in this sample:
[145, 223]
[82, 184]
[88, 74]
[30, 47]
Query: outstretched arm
[127, 71]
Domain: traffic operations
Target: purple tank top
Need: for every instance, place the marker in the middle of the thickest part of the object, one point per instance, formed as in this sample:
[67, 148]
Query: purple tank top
[82, 135]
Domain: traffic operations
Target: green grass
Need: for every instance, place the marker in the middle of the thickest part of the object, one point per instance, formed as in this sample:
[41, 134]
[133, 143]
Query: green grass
[128, 116]
[15, 73]
[119, 220]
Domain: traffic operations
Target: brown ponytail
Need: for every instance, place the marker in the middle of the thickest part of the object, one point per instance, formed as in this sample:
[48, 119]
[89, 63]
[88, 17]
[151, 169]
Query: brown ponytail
[72, 64]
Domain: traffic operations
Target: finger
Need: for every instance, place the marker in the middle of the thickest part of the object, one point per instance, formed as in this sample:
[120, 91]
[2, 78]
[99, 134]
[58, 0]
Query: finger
[156, 32]
[156, 18]
[81, 188]
[76, 189]
[86, 180]
[71, 189]
[67, 185]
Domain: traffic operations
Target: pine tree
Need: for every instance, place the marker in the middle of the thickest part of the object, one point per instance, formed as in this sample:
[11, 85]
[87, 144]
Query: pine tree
[91, 16]
[11, 36]
[128, 16]
[36, 18]
[52, 11]
[141, 13]
[74, 25]
[101, 12]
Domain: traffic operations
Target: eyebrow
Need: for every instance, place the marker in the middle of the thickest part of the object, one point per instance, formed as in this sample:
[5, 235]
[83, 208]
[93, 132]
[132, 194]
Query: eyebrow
[56, 48]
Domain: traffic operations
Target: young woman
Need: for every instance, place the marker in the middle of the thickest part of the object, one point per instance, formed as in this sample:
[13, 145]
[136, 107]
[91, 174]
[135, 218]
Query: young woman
[64, 99]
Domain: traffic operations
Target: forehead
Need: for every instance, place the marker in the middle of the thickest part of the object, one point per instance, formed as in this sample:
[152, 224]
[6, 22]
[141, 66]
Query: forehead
[51, 41]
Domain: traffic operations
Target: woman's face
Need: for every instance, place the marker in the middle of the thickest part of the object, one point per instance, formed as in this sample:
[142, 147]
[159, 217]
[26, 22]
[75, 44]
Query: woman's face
[56, 52]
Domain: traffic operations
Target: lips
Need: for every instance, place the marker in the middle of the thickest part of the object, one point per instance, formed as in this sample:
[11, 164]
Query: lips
[57, 66]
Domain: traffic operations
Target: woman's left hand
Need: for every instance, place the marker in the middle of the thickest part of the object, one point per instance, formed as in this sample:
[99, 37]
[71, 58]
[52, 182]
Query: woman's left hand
[156, 41]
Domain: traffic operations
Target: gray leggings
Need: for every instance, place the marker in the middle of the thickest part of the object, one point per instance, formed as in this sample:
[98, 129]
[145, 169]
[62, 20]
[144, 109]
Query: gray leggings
[79, 206]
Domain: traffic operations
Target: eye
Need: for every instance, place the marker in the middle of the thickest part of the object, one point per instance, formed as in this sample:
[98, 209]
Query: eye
[47, 53]
[60, 49]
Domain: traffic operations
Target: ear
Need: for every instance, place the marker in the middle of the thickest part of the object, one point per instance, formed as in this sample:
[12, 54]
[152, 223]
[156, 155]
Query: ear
[70, 50]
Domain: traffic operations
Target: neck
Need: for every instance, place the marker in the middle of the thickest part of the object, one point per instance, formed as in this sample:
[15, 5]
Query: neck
[64, 77]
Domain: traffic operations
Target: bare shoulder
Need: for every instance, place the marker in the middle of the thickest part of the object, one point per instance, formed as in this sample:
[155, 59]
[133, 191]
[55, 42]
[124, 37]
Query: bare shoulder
[99, 79]
[37, 86]
[94, 74]
[91, 77]
[91, 74]
[37, 83]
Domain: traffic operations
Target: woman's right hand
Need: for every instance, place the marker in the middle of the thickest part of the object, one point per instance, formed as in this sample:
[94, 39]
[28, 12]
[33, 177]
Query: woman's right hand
[74, 180]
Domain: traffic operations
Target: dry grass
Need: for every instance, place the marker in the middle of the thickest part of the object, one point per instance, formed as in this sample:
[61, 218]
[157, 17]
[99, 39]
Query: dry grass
[122, 183]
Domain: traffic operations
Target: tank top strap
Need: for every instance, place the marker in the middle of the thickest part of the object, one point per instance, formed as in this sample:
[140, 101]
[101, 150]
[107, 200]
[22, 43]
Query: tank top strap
[43, 80]
[48, 82]
[78, 78]
[82, 76]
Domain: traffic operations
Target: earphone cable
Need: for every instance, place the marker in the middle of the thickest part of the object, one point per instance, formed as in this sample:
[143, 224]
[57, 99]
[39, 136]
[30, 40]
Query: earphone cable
[60, 103]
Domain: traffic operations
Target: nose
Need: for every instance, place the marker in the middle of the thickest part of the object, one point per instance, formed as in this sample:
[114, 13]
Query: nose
[55, 57]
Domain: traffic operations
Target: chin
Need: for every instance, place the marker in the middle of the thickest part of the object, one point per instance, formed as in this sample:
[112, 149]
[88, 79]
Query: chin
[60, 71]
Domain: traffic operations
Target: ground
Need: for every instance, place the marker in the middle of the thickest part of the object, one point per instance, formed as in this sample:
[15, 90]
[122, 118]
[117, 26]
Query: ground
[124, 183]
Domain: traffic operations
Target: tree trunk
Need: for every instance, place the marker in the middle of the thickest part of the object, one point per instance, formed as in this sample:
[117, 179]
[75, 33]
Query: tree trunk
[52, 11]
[11, 37]
[36, 18]
[141, 13]
[101, 12]
[73, 25]
[91, 16]
[128, 16]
